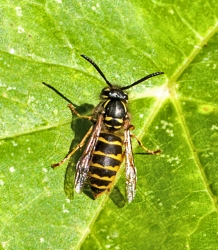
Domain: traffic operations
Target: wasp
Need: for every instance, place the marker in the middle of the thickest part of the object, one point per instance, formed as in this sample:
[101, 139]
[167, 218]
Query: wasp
[109, 141]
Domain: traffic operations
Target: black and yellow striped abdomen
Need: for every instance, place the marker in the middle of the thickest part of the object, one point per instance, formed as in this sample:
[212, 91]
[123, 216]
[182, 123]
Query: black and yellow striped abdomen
[105, 163]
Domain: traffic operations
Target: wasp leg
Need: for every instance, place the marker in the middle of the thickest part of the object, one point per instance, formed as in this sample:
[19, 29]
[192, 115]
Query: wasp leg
[67, 157]
[153, 152]
[72, 109]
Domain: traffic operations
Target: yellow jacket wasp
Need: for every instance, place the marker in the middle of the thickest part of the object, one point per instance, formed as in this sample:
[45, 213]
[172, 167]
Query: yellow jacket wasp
[109, 141]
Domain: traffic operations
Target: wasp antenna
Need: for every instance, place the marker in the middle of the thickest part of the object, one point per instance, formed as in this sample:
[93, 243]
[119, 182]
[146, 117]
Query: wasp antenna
[142, 80]
[59, 93]
[97, 68]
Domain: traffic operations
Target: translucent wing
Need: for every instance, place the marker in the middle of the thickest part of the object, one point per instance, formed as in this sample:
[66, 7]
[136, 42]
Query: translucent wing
[82, 166]
[70, 171]
[131, 177]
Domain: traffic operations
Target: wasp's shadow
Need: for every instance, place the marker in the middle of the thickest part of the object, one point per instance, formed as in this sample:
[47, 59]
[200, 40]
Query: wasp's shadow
[79, 126]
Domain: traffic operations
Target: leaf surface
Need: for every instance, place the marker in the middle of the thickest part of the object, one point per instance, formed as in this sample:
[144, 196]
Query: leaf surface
[176, 200]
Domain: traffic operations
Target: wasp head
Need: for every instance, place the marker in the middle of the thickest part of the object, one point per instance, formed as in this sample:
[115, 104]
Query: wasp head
[113, 93]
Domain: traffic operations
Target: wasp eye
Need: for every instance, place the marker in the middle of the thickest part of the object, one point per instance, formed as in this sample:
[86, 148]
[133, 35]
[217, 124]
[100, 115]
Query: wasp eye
[125, 96]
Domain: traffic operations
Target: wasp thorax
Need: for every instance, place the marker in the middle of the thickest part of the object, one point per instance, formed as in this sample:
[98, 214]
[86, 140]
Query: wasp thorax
[113, 93]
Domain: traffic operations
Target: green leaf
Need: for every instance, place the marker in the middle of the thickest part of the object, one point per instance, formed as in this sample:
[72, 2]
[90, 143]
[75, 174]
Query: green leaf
[176, 201]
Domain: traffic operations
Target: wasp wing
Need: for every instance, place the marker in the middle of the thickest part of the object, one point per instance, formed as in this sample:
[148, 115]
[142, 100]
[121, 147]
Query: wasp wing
[70, 171]
[82, 166]
[131, 177]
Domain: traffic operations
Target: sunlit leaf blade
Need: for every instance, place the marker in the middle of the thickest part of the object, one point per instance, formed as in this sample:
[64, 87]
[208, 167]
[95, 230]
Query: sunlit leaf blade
[175, 206]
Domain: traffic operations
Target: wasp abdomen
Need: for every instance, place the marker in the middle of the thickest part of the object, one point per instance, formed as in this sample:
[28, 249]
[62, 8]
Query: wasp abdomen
[105, 163]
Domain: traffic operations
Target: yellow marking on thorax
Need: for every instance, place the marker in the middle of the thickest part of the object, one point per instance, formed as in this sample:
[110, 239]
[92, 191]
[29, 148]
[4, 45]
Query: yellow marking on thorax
[105, 104]
[124, 105]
